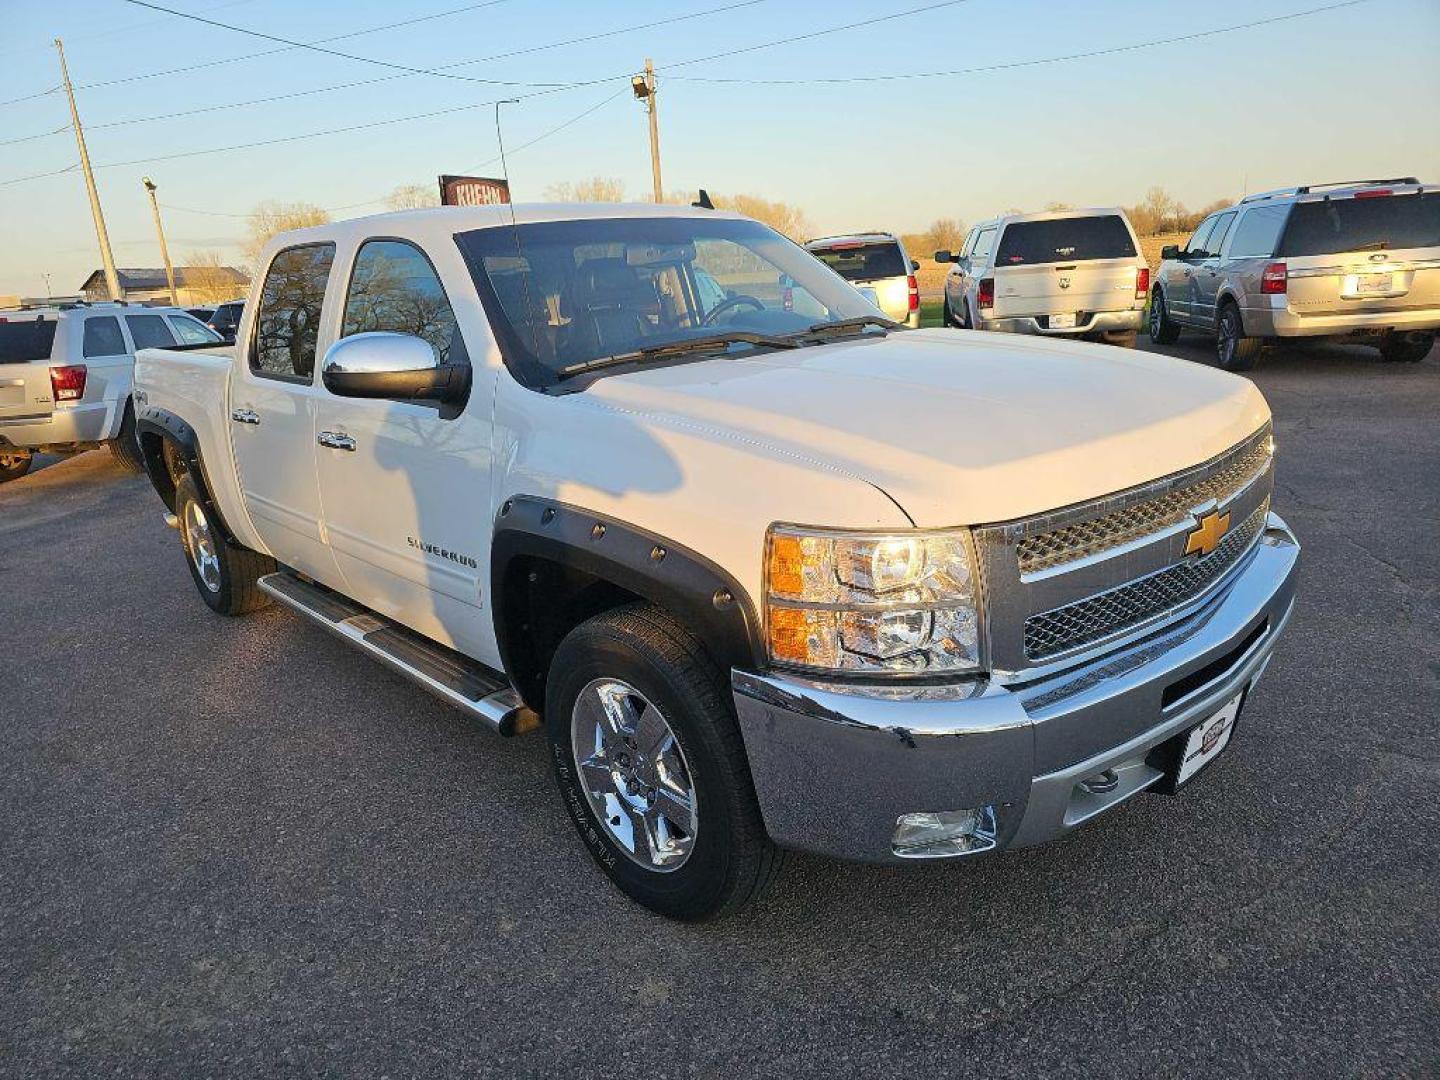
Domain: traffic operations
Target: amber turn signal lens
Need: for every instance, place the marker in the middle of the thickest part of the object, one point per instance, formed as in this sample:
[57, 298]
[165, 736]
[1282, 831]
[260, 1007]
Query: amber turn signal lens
[787, 565]
[789, 634]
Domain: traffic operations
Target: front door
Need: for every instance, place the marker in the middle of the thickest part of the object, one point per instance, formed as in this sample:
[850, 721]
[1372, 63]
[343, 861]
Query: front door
[405, 486]
[272, 409]
[1205, 283]
[1180, 275]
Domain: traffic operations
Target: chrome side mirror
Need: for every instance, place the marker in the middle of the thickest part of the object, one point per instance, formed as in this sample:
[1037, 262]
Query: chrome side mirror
[382, 364]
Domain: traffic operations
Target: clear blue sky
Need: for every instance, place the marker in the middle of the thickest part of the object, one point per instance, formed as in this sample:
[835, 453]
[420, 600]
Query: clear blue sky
[1352, 92]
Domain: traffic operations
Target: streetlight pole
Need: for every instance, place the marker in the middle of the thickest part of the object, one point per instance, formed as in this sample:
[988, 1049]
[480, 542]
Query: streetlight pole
[112, 279]
[644, 87]
[160, 232]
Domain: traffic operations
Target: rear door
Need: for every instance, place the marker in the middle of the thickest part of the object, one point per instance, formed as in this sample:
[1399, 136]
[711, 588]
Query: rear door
[874, 266]
[273, 396]
[1068, 267]
[25, 347]
[1374, 251]
[405, 485]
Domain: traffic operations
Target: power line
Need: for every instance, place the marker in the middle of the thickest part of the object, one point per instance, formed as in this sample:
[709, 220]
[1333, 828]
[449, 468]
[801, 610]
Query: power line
[30, 97]
[1110, 51]
[336, 52]
[439, 67]
[39, 176]
[558, 128]
[32, 138]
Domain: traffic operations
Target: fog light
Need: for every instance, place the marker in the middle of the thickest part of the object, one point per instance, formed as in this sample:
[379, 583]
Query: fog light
[944, 834]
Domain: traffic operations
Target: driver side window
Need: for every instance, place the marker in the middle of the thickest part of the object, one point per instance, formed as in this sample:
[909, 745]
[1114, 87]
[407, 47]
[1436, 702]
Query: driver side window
[1195, 246]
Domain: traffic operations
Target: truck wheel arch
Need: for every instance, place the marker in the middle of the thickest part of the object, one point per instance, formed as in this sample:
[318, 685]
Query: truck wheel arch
[552, 566]
[165, 439]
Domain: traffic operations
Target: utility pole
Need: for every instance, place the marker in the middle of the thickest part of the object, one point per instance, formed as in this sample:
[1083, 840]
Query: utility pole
[112, 279]
[644, 87]
[160, 232]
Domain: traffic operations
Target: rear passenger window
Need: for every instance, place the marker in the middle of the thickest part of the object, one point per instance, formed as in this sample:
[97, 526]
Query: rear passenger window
[150, 332]
[103, 337]
[394, 288]
[287, 325]
[193, 331]
[1257, 232]
[25, 342]
[1217, 237]
[1074, 239]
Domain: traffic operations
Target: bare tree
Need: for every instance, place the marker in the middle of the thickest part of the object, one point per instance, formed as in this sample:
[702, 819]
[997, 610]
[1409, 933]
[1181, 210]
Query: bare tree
[207, 278]
[595, 189]
[1056, 207]
[273, 217]
[412, 197]
[783, 217]
[945, 234]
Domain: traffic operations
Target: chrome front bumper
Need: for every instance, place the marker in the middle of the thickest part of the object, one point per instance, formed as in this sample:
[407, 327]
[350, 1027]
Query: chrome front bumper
[836, 767]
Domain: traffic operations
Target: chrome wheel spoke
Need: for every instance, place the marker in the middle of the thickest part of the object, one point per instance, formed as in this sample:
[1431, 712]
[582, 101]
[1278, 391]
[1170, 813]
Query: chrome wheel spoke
[674, 807]
[651, 734]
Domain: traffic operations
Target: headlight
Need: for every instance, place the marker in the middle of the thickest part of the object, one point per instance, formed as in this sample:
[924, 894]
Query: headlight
[862, 603]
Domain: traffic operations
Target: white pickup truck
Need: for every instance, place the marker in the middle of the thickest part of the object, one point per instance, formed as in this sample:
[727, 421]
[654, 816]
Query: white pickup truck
[772, 571]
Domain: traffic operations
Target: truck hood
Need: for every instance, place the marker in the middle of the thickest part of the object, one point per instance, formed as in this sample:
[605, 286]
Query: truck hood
[958, 428]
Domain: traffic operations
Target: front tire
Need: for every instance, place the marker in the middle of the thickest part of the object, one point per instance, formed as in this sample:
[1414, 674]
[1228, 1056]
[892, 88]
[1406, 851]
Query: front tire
[1399, 349]
[1163, 329]
[125, 447]
[15, 464]
[651, 765]
[225, 573]
[1233, 350]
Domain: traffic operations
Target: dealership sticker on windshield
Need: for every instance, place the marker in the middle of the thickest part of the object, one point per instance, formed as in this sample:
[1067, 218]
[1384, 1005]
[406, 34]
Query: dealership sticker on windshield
[1208, 739]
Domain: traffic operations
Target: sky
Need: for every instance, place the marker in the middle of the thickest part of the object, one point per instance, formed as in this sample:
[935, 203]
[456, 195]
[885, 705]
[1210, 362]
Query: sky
[1345, 93]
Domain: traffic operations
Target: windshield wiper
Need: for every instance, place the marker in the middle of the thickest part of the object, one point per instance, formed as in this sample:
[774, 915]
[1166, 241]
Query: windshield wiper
[845, 326]
[708, 343]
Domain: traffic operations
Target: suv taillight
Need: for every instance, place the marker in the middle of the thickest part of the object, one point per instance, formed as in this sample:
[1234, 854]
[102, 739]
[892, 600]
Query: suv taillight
[1142, 283]
[68, 383]
[914, 287]
[985, 296]
[1273, 280]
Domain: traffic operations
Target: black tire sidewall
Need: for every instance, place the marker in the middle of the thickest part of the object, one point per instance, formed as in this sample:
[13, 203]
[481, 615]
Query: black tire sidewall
[695, 889]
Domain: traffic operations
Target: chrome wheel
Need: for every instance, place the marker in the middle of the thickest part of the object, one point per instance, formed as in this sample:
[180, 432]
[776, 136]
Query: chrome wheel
[1226, 340]
[1157, 316]
[201, 545]
[634, 774]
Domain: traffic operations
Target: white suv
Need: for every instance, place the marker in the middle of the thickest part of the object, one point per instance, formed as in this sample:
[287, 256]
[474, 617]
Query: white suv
[1073, 273]
[66, 373]
[877, 264]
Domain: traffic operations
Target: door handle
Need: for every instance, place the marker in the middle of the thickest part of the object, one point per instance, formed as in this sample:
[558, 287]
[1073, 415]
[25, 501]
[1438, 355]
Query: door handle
[245, 416]
[335, 440]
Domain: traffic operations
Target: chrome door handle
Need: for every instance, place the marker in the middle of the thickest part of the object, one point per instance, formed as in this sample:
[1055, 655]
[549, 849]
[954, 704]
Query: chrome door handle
[245, 416]
[335, 441]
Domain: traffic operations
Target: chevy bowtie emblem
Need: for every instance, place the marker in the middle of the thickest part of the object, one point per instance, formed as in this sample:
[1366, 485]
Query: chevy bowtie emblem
[1206, 536]
[1064, 283]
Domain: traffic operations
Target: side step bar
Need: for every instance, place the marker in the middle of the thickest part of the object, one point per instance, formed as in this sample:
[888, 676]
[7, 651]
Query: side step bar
[464, 683]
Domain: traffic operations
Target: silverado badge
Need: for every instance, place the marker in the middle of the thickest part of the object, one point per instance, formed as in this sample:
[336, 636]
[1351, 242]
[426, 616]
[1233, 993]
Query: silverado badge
[1207, 534]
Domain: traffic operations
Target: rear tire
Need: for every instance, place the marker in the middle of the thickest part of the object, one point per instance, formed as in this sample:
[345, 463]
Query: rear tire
[946, 319]
[225, 573]
[126, 446]
[14, 464]
[1233, 350]
[1163, 329]
[677, 829]
[1400, 349]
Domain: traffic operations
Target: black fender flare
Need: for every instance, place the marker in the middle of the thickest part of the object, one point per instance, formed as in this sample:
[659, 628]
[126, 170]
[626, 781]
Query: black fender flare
[670, 575]
[163, 426]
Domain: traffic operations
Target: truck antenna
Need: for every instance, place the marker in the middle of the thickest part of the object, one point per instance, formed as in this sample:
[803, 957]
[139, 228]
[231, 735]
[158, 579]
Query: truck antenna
[515, 229]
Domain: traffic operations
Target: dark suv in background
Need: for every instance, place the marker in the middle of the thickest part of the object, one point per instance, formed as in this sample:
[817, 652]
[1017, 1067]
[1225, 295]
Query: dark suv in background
[1358, 261]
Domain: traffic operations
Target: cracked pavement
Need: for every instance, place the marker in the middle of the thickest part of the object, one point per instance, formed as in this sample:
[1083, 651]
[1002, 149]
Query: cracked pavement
[233, 847]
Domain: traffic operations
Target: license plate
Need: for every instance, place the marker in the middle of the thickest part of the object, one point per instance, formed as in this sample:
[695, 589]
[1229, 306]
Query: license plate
[1372, 283]
[1062, 322]
[1207, 740]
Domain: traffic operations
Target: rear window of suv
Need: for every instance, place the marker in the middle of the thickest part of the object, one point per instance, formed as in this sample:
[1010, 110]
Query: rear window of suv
[27, 341]
[864, 262]
[1064, 240]
[1378, 223]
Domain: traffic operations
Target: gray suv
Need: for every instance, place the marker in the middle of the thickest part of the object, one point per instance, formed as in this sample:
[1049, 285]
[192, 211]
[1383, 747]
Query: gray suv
[1358, 261]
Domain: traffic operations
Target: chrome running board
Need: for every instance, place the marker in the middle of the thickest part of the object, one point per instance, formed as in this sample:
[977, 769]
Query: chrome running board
[450, 676]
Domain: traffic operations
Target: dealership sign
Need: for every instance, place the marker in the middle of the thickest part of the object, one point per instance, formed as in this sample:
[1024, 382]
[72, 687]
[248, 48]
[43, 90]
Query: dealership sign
[473, 191]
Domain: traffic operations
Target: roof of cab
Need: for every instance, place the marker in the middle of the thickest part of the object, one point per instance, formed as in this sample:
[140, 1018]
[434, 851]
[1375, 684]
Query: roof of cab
[1054, 215]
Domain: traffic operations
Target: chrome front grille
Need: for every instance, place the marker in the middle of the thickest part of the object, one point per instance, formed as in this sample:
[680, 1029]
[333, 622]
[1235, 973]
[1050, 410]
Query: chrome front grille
[1064, 585]
[1071, 543]
[1098, 617]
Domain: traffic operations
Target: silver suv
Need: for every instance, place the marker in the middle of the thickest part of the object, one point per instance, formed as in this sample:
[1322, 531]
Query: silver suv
[877, 265]
[1359, 260]
[1072, 273]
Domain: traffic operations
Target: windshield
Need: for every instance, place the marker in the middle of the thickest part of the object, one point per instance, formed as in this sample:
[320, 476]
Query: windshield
[25, 342]
[1064, 240]
[863, 262]
[1377, 223]
[564, 293]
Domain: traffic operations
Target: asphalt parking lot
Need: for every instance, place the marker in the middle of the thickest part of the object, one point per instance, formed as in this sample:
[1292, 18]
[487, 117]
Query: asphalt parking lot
[235, 847]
